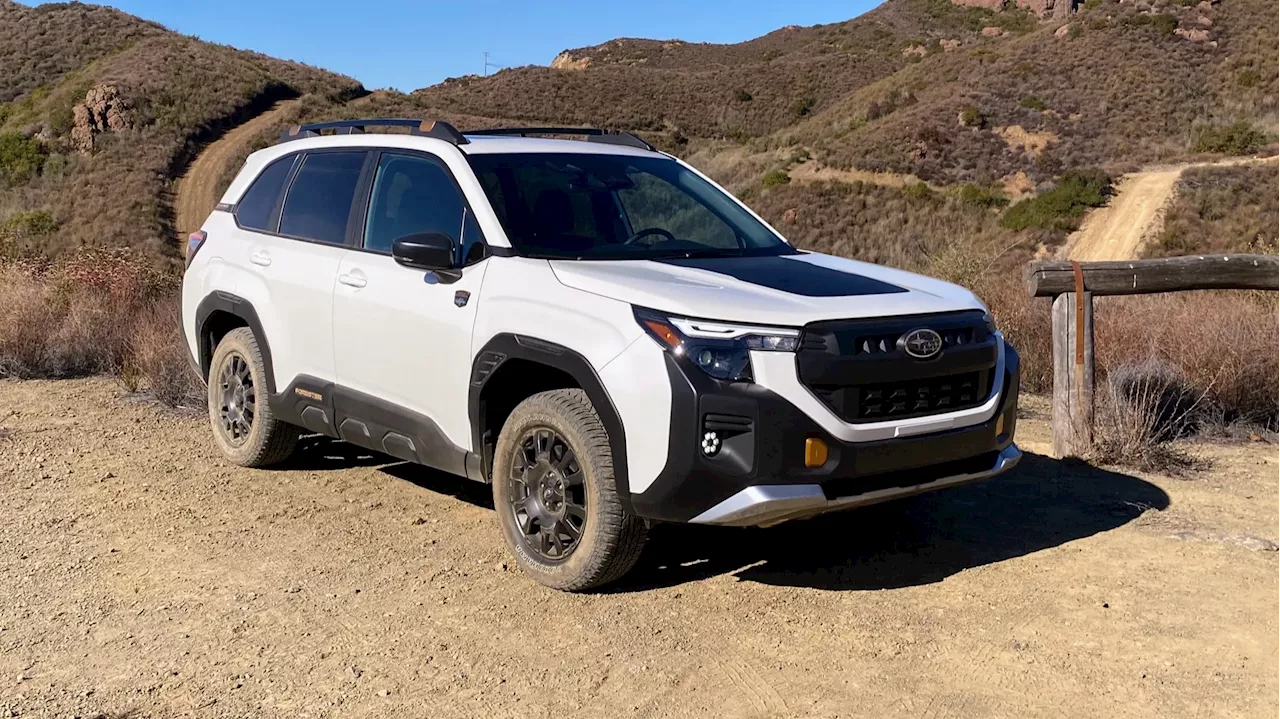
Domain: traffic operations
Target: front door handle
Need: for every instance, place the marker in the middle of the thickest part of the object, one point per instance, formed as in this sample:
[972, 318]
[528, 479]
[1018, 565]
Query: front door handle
[353, 279]
[261, 259]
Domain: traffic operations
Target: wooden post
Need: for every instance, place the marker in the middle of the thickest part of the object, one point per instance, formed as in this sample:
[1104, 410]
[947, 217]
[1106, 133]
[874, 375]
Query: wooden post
[1072, 376]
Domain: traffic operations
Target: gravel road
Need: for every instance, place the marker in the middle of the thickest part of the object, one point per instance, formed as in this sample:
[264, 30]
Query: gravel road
[143, 577]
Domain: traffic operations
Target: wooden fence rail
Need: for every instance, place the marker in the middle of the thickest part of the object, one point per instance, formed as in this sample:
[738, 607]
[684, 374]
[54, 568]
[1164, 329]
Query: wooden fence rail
[1073, 286]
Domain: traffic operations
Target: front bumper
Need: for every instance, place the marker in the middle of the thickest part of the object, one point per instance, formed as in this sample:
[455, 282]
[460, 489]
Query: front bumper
[759, 476]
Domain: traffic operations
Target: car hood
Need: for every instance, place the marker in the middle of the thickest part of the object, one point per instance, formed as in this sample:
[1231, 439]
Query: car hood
[787, 290]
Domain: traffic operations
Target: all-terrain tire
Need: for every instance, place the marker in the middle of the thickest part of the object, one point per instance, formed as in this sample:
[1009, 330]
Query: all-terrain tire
[268, 440]
[611, 539]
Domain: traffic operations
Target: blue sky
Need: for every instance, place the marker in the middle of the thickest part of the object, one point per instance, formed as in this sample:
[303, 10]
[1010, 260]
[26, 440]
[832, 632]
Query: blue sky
[407, 44]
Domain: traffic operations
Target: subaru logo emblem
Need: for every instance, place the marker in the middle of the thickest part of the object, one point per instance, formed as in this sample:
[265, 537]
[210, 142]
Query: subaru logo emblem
[921, 343]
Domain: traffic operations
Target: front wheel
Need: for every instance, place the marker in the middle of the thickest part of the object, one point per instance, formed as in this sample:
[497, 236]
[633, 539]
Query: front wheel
[554, 491]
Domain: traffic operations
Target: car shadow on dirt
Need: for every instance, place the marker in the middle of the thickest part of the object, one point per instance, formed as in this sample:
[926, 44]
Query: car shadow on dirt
[317, 453]
[1042, 503]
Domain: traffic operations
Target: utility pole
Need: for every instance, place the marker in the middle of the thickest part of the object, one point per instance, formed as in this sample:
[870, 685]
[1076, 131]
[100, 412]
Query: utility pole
[488, 65]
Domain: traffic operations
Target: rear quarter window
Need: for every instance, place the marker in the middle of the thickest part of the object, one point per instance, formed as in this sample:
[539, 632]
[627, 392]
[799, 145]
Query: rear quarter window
[256, 208]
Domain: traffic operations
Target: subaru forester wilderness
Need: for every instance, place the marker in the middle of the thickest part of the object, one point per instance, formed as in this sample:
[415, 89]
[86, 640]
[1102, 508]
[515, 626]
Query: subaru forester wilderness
[594, 328]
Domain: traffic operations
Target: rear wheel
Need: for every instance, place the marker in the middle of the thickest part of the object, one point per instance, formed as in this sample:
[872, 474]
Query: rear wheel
[239, 409]
[554, 491]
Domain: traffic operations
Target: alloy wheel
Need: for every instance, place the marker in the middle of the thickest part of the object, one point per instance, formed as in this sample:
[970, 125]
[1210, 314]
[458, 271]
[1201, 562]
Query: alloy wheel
[547, 494]
[239, 399]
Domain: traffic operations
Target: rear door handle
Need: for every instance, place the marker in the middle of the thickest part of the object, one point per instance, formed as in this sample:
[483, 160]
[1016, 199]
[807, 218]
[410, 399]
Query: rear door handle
[262, 259]
[355, 278]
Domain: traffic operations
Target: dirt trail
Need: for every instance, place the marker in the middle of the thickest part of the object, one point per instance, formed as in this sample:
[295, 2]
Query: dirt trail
[196, 192]
[144, 577]
[1118, 230]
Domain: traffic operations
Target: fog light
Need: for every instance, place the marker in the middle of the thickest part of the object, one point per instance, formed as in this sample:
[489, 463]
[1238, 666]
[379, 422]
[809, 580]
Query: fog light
[815, 452]
[711, 444]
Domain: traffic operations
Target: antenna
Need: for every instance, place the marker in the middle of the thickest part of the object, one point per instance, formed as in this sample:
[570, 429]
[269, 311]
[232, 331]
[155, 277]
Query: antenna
[488, 65]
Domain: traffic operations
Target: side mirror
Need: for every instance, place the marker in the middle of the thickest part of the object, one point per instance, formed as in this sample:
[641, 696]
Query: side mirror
[425, 251]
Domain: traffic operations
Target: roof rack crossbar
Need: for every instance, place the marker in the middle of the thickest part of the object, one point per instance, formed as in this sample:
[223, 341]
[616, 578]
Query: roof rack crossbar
[593, 134]
[423, 128]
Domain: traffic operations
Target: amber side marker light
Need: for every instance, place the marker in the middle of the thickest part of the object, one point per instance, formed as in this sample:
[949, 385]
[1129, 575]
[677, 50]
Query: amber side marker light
[815, 452]
[1000, 426]
[663, 332]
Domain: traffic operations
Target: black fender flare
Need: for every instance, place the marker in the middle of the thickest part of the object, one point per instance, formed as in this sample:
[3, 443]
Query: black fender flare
[506, 346]
[241, 308]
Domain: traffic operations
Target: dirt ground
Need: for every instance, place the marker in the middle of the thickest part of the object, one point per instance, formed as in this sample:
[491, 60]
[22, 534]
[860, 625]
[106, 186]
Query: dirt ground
[141, 576]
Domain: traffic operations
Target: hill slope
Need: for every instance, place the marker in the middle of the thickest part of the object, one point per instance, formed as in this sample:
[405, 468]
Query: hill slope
[101, 110]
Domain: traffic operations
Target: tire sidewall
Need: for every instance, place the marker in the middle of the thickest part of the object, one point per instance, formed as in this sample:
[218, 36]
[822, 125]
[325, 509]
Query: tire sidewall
[234, 344]
[585, 555]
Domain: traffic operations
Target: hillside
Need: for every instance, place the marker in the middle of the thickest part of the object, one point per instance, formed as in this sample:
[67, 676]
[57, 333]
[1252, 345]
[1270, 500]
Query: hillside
[99, 111]
[829, 130]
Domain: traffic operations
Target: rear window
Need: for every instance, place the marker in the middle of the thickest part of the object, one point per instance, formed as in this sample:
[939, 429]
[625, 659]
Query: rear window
[255, 209]
[320, 199]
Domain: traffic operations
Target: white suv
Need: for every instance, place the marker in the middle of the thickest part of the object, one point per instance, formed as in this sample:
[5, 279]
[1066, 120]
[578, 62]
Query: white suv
[595, 328]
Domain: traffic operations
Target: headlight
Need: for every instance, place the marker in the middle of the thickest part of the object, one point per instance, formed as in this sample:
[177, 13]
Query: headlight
[991, 322]
[720, 349]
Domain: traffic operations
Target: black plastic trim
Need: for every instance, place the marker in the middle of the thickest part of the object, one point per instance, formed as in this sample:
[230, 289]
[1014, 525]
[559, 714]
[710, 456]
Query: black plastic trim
[372, 423]
[505, 347]
[593, 134]
[422, 128]
[770, 450]
[239, 307]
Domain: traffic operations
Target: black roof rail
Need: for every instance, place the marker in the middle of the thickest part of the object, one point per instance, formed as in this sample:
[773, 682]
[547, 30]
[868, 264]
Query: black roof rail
[610, 137]
[423, 128]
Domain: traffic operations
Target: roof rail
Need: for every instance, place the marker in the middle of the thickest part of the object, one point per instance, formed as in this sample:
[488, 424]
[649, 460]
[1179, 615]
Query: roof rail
[610, 137]
[424, 128]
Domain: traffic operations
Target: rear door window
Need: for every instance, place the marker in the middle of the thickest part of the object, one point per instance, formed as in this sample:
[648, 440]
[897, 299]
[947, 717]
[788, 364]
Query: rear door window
[319, 203]
[256, 210]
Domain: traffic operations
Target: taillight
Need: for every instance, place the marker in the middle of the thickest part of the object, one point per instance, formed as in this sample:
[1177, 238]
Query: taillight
[194, 242]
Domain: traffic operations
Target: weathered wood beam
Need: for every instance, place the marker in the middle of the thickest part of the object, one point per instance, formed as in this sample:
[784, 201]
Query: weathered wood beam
[1073, 374]
[1169, 274]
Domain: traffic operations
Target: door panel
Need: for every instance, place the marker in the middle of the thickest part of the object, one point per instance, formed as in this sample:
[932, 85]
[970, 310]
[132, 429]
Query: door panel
[403, 338]
[296, 280]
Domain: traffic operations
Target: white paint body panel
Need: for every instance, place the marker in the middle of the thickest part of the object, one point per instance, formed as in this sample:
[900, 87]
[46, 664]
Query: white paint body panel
[401, 338]
[710, 295]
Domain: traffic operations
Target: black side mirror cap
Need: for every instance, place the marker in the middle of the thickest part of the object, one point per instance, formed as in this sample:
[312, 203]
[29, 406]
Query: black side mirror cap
[431, 251]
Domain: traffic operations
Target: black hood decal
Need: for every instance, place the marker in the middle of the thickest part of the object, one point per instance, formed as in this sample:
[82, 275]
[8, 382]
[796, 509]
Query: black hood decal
[795, 277]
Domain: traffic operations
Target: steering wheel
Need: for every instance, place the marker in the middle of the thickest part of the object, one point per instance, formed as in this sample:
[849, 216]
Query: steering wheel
[646, 232]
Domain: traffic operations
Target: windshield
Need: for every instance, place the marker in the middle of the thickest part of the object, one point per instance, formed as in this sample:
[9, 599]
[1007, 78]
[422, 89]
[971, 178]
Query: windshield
[616, 207]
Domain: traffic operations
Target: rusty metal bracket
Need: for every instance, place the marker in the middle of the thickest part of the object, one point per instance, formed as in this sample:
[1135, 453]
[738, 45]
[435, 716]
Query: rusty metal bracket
[1079, 273]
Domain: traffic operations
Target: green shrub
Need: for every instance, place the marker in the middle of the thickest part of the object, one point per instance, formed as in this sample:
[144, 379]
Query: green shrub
[972, 117]
[29, 224]
[743, 96]
[1163, 23]
[1239, 138]
[1248, 77]
[1031, 102]
[803, 106]
[982, 196]
[918, 191]
[20, 158]
[1059, 209]
[776, 177]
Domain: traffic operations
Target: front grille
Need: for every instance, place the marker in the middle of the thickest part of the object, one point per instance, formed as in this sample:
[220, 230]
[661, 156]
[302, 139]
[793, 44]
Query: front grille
[912, 399]
[857, 369]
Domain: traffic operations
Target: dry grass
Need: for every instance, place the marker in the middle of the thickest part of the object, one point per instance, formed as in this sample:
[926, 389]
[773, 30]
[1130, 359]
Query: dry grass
[96, 312]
